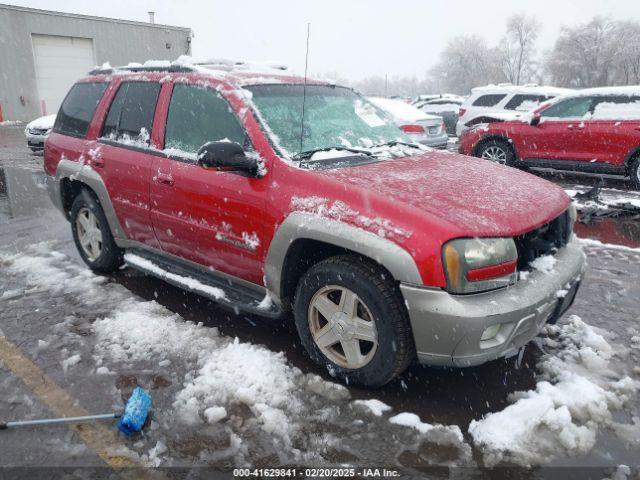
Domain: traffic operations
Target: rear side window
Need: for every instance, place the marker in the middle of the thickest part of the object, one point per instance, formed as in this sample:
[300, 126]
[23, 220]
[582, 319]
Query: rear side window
[618, 107]
[198, 115]
[526, 102]
[576, 107]
[488, 100]
[77, 110]
[130, 116]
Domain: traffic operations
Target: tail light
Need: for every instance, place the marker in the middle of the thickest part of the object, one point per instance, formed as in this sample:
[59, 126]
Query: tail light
[462, 111]
[412, 128]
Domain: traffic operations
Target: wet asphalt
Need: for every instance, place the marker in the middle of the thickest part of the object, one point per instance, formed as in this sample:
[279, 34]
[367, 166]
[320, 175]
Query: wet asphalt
[608, 299]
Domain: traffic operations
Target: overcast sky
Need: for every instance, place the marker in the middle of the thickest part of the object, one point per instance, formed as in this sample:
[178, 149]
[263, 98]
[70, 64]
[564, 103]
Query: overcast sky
[354, 38]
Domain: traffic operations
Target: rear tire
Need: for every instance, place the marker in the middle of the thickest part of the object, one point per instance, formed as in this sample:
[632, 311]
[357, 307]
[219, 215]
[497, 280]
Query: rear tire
[92, 235]
[498, 151]
[634, 172]
[365, 338]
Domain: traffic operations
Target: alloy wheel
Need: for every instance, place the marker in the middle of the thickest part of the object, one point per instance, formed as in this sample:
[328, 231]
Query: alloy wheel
[495, 154]
[343, 327]
[89, 233]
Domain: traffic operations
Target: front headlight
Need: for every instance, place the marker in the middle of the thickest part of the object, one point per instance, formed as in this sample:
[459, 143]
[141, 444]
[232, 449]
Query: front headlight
[479, 264]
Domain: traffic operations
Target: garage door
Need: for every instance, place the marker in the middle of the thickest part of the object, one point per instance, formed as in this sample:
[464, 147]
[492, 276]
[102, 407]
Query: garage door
[60, 61]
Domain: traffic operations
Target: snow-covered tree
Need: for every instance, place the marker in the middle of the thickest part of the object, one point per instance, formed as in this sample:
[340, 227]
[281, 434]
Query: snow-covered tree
[467, 62]
[586, 55]
[518, 48]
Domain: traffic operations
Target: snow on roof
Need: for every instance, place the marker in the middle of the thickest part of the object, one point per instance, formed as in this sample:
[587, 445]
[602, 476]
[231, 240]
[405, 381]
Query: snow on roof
[440, 96]
[240, 73]
[530, 88]
[630, 90]
[400, 110]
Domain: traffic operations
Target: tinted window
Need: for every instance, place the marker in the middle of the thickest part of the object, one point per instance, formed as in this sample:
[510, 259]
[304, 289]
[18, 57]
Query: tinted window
[488, 100]
[78, 108]
[198, 115]
[576, 107]
[526, 102]
[131, 112]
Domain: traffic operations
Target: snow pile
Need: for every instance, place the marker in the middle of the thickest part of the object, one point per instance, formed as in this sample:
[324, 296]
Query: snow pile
[241, 373]
[562, 416]
[41, 270]
[376, 407]
[412, 420]
[138, 330]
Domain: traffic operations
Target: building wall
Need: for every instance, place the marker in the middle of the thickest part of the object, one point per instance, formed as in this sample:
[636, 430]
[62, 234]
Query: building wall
[115, 41]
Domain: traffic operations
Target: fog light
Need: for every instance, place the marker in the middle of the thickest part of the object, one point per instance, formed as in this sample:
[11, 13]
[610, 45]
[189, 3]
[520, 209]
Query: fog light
[490, 332]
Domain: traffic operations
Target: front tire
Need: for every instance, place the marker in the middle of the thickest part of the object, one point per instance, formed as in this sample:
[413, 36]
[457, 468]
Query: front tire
[351, 318]
[499, 151]
[92, 235]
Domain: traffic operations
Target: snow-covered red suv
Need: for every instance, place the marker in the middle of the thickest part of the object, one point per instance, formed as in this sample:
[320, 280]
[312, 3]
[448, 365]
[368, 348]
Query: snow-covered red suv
[385, 251]
[595, 130]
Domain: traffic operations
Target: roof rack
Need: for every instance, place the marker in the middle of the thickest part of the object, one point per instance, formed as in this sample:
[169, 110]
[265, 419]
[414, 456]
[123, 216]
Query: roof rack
[170, 69]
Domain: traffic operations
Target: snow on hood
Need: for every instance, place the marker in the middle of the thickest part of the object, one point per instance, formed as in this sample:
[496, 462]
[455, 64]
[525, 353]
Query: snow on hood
[479, 197]
[401, 110]
[43, 122]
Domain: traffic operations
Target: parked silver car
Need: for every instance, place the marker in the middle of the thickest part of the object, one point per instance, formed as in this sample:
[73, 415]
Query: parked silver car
[38, 130]
[421, 127]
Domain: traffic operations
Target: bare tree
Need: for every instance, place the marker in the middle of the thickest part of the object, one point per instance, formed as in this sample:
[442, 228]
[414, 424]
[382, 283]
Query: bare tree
[518, 48]
[629, 64]
[586, 55]
[465, 63]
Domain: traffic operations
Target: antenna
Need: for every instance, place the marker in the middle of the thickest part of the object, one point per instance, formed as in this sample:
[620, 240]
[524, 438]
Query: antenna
[304, 86]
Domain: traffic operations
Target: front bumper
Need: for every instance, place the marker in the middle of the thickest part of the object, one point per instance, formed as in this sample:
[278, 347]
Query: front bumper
[437, 141]
[35, 141]
[447, 328]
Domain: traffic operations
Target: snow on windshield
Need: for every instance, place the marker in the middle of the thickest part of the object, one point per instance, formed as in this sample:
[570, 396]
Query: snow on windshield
[333, 117]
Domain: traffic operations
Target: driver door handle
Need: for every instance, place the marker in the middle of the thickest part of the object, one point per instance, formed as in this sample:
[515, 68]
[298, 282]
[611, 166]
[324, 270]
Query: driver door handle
[164, 178]
[572, 127]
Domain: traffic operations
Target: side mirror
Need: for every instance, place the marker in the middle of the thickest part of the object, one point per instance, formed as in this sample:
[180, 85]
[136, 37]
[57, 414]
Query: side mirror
[226, 156]
[534, 121]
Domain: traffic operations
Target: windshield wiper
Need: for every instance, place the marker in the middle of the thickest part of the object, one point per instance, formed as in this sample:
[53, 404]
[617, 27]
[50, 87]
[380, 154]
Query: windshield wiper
[393, 143]
[309, 153]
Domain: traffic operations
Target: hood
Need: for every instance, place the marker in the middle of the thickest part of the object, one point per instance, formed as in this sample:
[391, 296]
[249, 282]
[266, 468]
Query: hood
[43, 123]
[475, 197]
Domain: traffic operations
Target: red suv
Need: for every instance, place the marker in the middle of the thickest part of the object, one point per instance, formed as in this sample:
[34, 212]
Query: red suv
[595, 130]
[384, 251]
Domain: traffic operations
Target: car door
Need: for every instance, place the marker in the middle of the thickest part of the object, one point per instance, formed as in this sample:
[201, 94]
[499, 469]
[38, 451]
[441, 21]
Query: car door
[214, 218]
[561, 133]
[614, 129]
[123, 156]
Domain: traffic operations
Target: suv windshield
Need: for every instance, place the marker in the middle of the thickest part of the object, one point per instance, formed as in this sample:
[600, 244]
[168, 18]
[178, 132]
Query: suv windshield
[334, 118]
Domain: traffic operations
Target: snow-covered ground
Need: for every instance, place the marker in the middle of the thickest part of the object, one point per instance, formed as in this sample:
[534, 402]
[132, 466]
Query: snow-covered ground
[259, 400]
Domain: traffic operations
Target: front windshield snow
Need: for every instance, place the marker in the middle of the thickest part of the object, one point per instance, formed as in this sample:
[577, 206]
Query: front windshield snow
[334, 118]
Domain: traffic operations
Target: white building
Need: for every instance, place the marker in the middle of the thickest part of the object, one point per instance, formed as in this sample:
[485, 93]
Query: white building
[42, 53]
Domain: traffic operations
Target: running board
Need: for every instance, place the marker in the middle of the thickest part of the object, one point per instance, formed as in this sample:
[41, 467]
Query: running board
[212, 285]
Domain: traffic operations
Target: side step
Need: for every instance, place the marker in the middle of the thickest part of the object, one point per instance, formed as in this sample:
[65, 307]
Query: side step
[212, 285]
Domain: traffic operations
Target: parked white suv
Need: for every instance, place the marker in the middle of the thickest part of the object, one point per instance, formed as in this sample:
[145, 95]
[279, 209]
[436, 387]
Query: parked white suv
[506, 100]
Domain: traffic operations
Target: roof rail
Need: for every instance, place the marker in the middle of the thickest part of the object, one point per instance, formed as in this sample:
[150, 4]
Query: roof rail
[135, 69]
